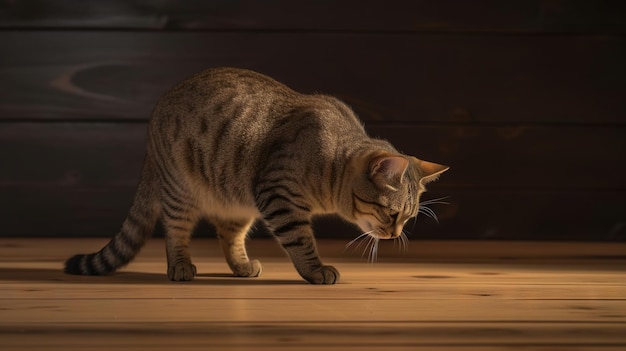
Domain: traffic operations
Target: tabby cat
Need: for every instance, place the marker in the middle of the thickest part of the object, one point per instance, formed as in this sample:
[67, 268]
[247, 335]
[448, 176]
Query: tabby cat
[232, 146]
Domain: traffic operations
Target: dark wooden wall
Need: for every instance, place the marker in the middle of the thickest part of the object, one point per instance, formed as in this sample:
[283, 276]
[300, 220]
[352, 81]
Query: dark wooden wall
[526, 100]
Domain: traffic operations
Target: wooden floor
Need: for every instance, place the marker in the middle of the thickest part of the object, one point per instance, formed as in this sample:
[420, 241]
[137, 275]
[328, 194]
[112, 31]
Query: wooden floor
[435, 296]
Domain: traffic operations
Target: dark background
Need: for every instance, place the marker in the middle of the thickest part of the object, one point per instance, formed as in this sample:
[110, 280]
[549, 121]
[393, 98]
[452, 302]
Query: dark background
[525, 100]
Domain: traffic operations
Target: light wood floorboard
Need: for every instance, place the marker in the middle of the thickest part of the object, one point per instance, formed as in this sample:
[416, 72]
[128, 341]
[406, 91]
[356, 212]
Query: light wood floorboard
[435, 296]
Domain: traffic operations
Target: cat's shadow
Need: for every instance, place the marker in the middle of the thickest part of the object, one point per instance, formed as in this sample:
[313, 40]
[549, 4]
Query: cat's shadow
[56, 276]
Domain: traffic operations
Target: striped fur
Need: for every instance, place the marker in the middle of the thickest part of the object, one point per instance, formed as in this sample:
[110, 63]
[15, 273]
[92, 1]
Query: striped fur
[234, 146]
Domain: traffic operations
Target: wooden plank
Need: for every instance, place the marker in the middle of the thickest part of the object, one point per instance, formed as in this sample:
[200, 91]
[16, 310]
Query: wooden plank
[226, 337]
[520, 157]
[575, 302]
[79, 179]
[570, 16]
[530, 255]
[469, 79]
[173, 310]
[527, 157]
[473, 336]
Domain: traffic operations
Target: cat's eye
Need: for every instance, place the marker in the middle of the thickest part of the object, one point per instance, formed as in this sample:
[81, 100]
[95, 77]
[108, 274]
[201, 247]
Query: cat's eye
[394, 215]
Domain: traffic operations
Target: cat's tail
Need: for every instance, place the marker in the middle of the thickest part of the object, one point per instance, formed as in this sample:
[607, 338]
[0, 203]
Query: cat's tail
[136, 229]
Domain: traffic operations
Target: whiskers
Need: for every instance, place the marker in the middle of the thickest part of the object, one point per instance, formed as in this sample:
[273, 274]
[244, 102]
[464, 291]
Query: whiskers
[369, 243]
[423, 207]
[404, 241]
[370, 247]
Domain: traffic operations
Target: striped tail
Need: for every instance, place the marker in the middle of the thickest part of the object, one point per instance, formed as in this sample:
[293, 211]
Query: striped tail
[136, 229]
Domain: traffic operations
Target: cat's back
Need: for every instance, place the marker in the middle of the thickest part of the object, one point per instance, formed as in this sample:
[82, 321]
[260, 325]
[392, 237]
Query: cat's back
[227, 99]
[217, 100]
[217, 90]
[229, 80]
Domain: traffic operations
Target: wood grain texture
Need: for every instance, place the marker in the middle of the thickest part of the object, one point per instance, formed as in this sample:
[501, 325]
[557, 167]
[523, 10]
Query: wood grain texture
[518, 158]
[532, 16]
[464, 79]
[441, 296]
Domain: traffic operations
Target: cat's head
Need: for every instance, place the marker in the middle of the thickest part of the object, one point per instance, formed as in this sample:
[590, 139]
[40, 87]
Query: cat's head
[386, 191]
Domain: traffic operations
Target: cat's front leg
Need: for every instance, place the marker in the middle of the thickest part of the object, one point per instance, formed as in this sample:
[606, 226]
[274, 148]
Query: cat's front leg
[295, 234]
[303, 252]
[232, 236]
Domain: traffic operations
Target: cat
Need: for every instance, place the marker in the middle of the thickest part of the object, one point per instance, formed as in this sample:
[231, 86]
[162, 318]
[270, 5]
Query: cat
[233, 146]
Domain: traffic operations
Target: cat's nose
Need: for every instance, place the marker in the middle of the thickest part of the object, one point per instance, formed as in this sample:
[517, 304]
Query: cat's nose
[396, 232]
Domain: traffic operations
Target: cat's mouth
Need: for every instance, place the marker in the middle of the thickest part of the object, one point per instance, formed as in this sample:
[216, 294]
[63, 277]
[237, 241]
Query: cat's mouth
[375, 230]
[373, 233]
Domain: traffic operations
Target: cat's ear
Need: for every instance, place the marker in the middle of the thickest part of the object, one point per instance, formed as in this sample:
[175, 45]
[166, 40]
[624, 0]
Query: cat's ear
[387, 171]
[430, 171]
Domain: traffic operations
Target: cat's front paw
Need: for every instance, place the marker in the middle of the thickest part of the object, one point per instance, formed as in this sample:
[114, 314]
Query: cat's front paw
[324, 275]
[251, 269]
[182, 271]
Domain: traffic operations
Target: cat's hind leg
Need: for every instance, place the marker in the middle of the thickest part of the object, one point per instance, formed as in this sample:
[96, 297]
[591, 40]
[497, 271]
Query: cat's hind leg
[180, 217]
[232, 236]
[179, 266]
